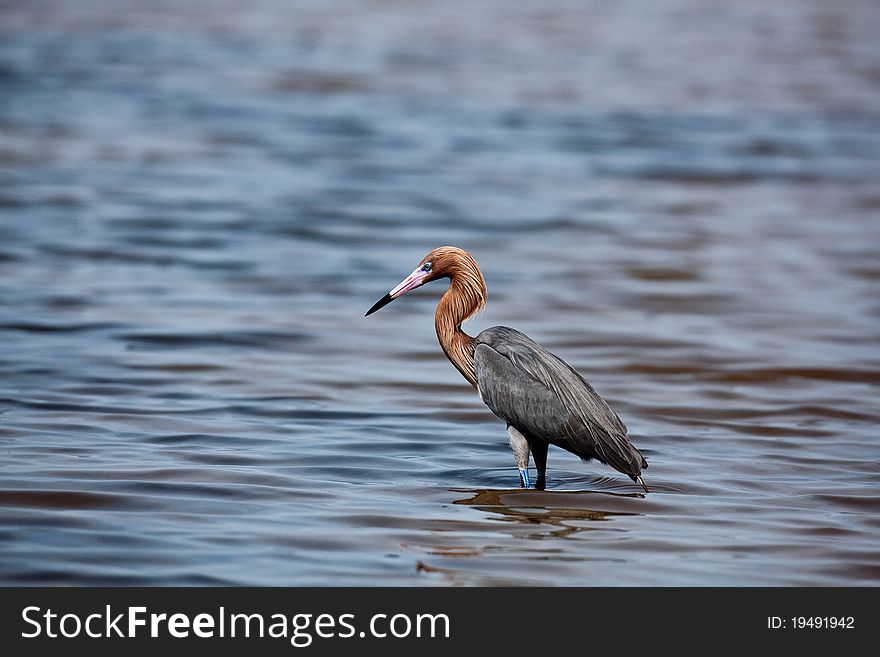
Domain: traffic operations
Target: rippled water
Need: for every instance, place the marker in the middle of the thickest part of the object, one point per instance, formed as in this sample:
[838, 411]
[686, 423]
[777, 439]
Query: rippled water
[198, 204]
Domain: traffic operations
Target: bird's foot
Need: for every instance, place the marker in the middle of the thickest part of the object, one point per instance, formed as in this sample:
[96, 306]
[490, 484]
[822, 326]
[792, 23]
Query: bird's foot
[524, 478]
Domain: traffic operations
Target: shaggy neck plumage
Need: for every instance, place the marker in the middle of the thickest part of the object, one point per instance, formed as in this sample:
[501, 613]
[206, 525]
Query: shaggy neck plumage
[464, 298]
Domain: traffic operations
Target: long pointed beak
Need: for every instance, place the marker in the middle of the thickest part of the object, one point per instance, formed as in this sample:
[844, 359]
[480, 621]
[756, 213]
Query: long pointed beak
[411, 282]
[381, 303]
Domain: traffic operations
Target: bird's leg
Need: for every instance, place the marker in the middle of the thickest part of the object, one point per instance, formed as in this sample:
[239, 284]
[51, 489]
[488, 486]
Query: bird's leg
[539, 451]
[520, 447]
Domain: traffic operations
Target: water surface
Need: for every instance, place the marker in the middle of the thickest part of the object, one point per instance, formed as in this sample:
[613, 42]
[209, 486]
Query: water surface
[198, 203]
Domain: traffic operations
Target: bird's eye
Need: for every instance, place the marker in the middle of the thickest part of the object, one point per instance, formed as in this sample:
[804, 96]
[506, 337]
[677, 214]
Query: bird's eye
[426, 266]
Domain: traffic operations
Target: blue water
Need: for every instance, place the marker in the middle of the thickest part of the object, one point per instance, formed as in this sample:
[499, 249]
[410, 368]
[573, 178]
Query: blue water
[198, 203]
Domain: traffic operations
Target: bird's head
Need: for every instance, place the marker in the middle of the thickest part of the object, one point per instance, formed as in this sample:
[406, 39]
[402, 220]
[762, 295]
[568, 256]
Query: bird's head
[442, 262]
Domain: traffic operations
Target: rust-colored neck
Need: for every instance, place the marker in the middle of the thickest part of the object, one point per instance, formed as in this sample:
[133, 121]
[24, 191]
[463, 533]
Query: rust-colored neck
[464, 298]
[457, 345]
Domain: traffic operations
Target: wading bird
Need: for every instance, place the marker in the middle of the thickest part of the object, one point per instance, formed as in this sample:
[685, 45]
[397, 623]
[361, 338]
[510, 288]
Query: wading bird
[541, 397]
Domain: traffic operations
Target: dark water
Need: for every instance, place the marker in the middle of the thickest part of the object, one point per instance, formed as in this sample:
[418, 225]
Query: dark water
[198, 203]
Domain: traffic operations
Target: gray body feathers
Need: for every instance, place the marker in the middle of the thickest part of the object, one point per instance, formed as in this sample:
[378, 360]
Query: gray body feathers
[548, 401]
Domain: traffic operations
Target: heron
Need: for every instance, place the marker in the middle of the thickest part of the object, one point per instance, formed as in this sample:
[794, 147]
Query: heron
[543, 400]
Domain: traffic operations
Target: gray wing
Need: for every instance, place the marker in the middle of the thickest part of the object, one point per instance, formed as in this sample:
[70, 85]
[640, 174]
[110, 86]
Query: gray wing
[543, 396]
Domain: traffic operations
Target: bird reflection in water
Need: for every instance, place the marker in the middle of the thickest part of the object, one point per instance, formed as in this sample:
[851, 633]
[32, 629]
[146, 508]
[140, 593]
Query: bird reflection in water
[532, 515]
[535, 509]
